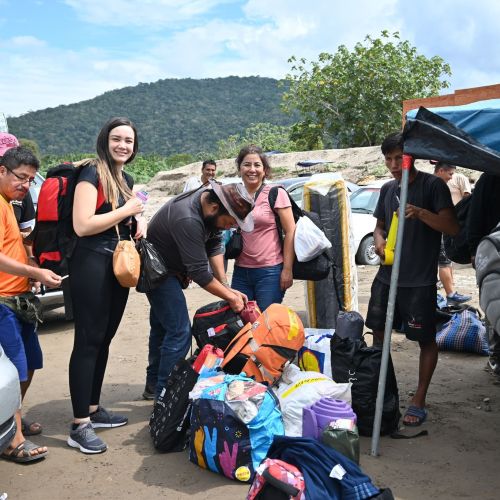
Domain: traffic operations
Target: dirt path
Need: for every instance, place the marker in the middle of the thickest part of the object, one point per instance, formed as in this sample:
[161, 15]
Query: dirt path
[459, 458]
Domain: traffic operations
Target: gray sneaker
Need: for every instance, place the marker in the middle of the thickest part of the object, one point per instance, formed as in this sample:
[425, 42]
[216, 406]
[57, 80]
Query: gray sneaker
[85, 438]
[105, 418]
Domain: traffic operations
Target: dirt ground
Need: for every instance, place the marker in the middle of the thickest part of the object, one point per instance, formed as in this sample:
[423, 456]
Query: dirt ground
[458, 459]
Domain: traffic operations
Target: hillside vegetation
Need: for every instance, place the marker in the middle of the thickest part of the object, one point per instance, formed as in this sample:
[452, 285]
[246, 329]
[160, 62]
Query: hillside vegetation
[172, 116]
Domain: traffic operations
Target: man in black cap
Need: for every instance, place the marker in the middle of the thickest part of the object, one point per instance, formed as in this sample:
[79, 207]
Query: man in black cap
[187, 233]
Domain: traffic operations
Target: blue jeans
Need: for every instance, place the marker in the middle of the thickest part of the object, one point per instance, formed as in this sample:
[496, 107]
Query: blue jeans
[170, 335]
[261, 284]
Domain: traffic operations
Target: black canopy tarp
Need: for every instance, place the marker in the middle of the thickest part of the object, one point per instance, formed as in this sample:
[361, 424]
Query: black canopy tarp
[430, 137]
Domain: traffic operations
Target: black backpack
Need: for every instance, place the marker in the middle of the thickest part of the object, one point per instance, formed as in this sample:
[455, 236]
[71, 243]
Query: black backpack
[216, 324]
[54, 238]
[316, 269]
[170, 420]
[353, 361]
[457, 247]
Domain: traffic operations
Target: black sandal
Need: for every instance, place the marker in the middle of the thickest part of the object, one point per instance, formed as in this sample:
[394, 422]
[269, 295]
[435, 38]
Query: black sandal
[22, 453]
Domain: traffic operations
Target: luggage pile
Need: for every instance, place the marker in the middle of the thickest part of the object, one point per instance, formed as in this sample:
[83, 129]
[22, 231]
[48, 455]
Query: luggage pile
[244, 410]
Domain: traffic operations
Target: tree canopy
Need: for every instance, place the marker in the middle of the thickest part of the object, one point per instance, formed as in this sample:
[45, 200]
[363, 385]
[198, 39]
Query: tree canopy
[354, 98]
[172, 116]
[266, 135]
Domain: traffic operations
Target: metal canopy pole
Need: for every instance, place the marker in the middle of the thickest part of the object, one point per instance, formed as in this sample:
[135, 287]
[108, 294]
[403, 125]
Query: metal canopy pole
[406, 166]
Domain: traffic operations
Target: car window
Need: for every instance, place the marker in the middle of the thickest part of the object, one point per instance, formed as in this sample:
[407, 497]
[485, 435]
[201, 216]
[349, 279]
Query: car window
[35, 187]
[296, 195]
[365, 200]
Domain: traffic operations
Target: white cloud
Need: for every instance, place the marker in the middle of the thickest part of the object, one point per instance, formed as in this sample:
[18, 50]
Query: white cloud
[144, 13]
[259, 42]
[27, 41]
[40, 76]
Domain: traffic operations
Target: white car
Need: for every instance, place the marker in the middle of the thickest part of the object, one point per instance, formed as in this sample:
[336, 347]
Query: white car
[363, 200]
[363, 203]
[10, 398]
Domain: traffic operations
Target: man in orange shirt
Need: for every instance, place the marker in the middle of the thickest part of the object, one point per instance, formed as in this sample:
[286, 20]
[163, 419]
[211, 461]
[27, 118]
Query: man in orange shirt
[18, 306]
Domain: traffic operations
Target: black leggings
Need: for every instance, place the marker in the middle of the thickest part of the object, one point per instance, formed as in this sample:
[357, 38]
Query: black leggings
[98, 305]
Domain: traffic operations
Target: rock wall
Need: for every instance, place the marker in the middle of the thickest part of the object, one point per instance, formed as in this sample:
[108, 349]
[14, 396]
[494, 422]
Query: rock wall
[359, 165]
[355, 162]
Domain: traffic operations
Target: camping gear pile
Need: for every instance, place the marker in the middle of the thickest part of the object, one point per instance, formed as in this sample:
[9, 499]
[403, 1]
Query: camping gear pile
[244, 410]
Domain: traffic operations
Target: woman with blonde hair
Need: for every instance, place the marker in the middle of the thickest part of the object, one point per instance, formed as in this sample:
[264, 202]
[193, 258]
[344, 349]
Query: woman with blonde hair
[103, 206]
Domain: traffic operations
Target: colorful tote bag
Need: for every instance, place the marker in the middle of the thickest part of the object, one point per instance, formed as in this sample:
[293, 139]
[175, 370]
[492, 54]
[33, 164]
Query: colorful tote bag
[233, 424]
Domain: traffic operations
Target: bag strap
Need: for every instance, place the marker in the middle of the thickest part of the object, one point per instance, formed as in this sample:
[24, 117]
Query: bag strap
[262, 186]
[113, 207]
[189, 193]
[237, 344]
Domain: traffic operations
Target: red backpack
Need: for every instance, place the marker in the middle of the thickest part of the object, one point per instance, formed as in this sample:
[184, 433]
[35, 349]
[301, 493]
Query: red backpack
[54, 238]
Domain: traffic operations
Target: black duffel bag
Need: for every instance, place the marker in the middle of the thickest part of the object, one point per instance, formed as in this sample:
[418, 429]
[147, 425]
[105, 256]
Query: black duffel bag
[353, 361]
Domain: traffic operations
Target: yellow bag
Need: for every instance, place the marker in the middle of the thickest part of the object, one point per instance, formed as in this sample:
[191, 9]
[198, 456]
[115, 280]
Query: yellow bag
[126, 263]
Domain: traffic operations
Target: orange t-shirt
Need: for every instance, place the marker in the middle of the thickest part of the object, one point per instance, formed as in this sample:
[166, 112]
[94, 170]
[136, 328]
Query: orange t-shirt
[11, 245]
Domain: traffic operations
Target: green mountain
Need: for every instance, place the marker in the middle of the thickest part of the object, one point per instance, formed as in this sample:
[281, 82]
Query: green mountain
[172, 116]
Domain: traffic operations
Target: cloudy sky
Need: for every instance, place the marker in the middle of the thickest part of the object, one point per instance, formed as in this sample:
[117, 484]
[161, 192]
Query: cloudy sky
[56, 52]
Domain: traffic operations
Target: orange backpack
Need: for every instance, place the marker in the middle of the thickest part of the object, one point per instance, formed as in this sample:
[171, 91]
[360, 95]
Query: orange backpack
[263, 349]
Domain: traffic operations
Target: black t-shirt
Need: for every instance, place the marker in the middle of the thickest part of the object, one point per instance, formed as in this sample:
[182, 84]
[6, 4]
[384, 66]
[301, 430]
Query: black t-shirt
[421, 243]
[106, 241]
[24, 211]
[179, 234]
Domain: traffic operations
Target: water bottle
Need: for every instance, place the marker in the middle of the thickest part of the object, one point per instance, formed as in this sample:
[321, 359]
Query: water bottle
[143, 196]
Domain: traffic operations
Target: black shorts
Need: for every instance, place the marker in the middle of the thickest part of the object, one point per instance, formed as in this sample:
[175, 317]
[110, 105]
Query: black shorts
[415, 309]
[443, 260]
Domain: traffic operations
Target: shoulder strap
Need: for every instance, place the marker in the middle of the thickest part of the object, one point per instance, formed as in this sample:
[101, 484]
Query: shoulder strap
[296, 210]
[236, 345]
[257, 193]
[273, 195]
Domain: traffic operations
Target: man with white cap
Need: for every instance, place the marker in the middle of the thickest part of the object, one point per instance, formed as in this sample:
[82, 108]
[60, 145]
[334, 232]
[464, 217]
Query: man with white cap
[186, 231]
